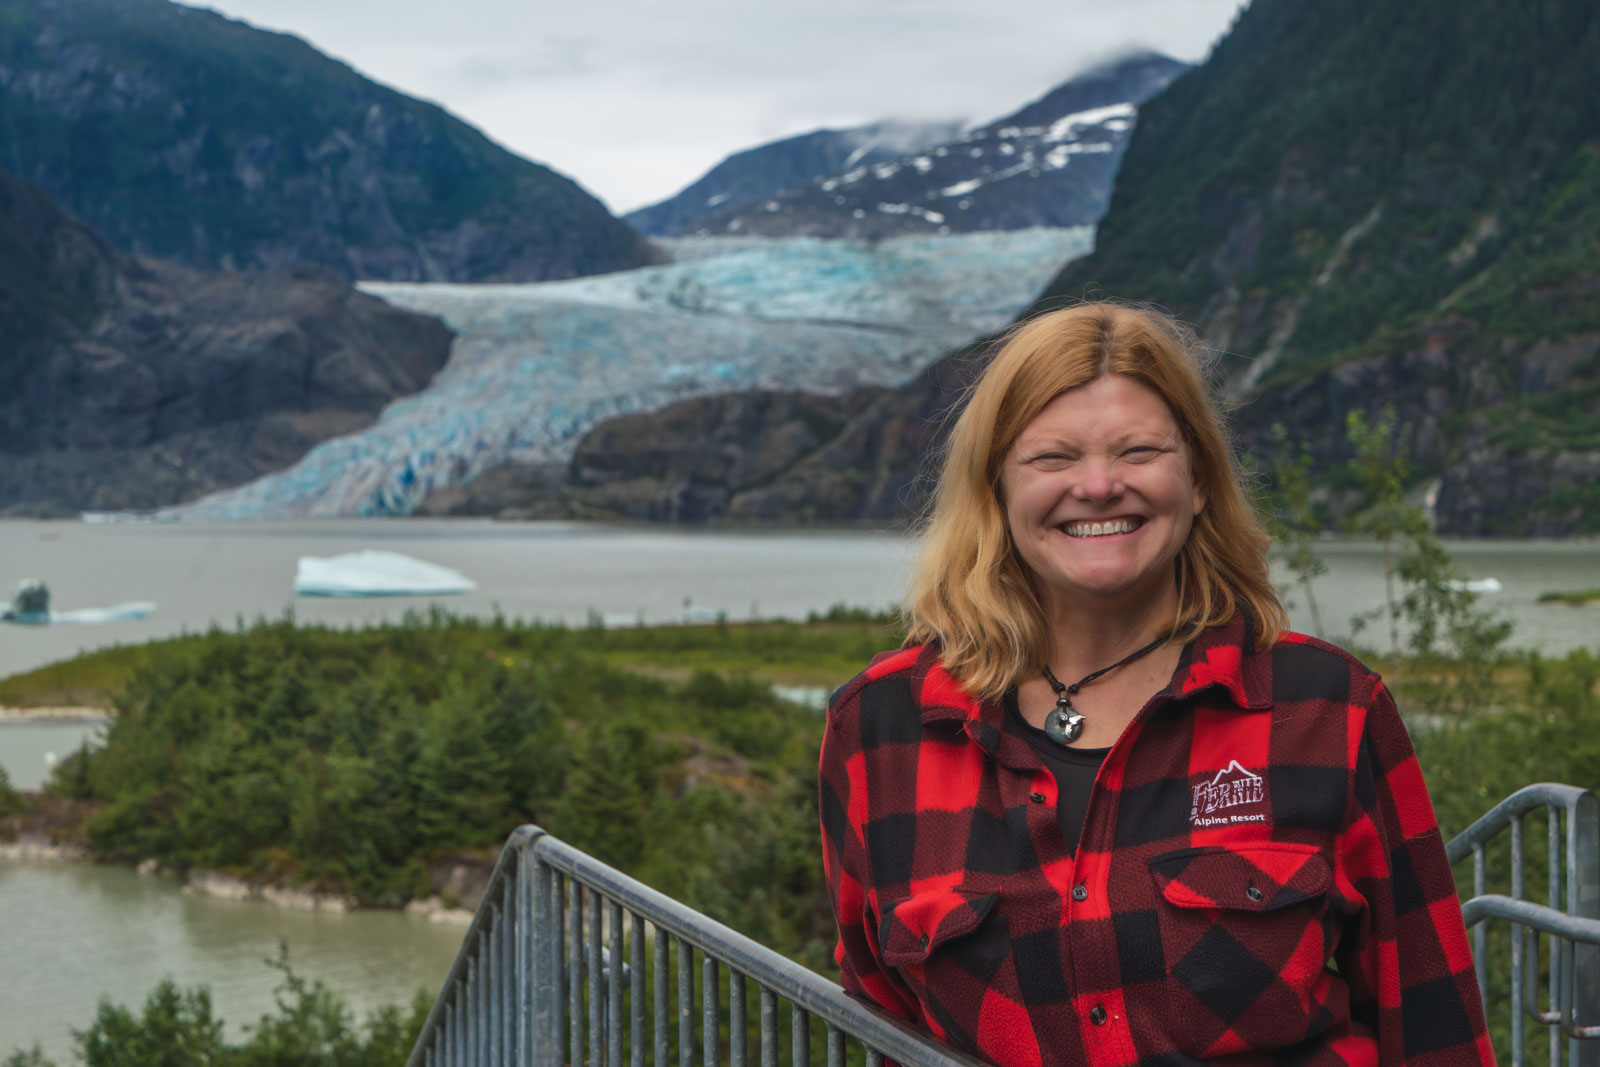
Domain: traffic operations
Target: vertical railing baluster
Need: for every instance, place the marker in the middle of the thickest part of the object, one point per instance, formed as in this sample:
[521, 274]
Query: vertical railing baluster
[459, 1045]
[710, 1046]
[769, 1027]
[597, 1014]
[685, 1003]
[636, 992]
[1583, 901]
[835, 1046]
[1480, 936]
[557, 964]
[530, 977]
[736, 1020]
[660, 947]
[874, 1057]
[452, 1058]
[614, 993]
[491, 992]
[575, 972]
[508, 975]
[799, 1037]
[1553, 831]
[1518, 935]
[473, 1015]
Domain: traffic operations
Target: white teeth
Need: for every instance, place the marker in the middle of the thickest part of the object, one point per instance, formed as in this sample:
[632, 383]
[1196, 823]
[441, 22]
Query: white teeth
[1101, 529]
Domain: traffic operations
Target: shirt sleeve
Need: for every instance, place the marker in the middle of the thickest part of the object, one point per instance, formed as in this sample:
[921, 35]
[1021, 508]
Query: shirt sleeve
[844, 858]
[1408, 963]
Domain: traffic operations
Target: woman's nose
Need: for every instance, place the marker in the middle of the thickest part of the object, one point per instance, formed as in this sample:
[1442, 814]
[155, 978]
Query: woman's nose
[1098, 479]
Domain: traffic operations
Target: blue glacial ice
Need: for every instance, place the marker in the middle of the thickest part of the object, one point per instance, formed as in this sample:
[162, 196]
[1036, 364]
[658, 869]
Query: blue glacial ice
[535, 366]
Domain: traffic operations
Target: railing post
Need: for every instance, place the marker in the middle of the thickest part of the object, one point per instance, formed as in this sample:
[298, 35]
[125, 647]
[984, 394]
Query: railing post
[1583, 900]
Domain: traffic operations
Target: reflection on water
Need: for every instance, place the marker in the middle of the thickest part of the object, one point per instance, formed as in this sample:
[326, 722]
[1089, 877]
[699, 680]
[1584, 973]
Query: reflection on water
[75, 933]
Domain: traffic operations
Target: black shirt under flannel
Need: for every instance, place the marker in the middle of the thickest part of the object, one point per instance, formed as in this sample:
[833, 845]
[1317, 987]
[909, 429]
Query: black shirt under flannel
[1260, 878]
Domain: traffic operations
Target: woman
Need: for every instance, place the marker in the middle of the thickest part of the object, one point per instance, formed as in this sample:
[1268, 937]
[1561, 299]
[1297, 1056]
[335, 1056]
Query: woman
[1103, 808]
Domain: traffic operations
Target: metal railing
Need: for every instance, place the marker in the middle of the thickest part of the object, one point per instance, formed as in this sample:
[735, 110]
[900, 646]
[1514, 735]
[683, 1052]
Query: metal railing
[1569, 922]
[566, 958]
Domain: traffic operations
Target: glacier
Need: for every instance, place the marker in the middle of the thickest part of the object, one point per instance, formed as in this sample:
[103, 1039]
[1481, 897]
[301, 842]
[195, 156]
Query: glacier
[535, 366]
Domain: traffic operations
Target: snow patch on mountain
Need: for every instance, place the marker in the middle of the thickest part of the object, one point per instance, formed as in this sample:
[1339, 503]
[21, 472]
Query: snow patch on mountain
[534, 367]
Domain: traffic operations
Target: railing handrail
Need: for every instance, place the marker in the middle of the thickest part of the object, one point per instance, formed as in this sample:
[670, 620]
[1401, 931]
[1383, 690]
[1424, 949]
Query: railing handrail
[804, 987]
[481, 919]
[1573, 927]
[807, 990]
[1498, 818]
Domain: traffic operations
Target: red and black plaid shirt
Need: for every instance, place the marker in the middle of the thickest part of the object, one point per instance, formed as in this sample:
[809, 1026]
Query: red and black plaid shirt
[1260, 877]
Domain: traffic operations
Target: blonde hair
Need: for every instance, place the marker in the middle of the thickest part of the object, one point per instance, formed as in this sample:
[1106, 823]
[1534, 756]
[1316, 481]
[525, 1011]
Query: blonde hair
[972, 594]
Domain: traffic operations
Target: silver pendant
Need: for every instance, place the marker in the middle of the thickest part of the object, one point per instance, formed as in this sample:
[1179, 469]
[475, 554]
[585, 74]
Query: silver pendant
[1063, 725]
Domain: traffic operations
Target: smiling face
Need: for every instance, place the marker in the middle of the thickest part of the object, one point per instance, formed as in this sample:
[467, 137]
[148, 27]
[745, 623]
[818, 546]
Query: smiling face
[1099, 495]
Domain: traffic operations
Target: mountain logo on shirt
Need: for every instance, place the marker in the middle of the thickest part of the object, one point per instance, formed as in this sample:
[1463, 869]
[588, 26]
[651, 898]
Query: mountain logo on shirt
[1230, 790]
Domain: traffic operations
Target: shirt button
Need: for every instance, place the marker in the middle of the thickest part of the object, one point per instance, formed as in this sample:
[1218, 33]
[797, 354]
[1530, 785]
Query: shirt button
[1037, 798]
[1097, 1015]
[1254, 894]
[1080, 892]
[923, 942]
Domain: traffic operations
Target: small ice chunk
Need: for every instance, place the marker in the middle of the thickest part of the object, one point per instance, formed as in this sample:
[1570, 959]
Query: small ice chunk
[961, 188]
[374, 573]
[1475, 585]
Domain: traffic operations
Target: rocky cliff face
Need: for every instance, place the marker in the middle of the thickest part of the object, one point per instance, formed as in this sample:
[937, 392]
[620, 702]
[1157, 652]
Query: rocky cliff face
[181, 134]
[127, 383]
[752, 457]
[1380, 207]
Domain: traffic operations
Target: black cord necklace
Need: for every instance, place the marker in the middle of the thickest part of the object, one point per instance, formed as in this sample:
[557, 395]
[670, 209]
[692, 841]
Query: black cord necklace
[1064, 723]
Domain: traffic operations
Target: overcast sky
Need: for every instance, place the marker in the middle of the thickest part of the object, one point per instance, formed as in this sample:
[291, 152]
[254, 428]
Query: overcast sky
[634, 99]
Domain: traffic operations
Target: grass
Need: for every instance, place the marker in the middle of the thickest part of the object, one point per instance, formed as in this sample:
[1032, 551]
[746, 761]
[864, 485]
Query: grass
[1575, 597]
[825, 651]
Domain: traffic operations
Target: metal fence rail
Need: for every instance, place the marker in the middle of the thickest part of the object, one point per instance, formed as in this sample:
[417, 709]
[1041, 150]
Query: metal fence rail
[568, 961]
[1569, 922]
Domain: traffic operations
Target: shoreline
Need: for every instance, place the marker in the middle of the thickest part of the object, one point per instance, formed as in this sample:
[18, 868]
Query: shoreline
[56, 716]
[220, 886]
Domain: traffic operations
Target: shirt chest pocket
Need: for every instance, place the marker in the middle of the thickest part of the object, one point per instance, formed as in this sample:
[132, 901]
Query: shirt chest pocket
[945, 942]
[1245, 936]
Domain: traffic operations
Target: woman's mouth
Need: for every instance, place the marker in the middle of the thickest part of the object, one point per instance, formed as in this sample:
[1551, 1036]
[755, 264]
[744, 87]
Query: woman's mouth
[1101, 527]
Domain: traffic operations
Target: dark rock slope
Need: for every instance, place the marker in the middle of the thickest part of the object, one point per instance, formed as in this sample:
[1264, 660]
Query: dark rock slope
[127, 383]
[181, 134]
[1389, 206]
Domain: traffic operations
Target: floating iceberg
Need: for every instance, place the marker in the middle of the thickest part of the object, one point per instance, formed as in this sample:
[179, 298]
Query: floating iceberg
[31, 606]
[374, 573]
[534, 367]
[1475, 585]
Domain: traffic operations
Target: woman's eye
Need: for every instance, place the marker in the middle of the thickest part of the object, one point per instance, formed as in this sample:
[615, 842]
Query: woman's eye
[1141, 451]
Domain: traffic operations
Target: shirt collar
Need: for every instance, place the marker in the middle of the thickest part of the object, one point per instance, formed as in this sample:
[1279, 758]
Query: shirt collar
[1222, 656]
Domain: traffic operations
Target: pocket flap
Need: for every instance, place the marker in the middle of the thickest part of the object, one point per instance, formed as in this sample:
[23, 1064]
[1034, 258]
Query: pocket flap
[915, 926]
[1260, 877]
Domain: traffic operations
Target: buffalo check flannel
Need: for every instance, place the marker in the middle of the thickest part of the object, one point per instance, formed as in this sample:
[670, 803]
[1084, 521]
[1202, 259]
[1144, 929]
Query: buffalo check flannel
[1260, 880]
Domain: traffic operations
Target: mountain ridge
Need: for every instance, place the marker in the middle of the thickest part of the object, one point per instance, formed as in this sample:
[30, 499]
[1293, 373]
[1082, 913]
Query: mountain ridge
[184, 135]
[1050, 163]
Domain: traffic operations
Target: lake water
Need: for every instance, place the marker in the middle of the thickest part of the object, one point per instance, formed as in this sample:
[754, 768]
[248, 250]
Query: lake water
[76, 932]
